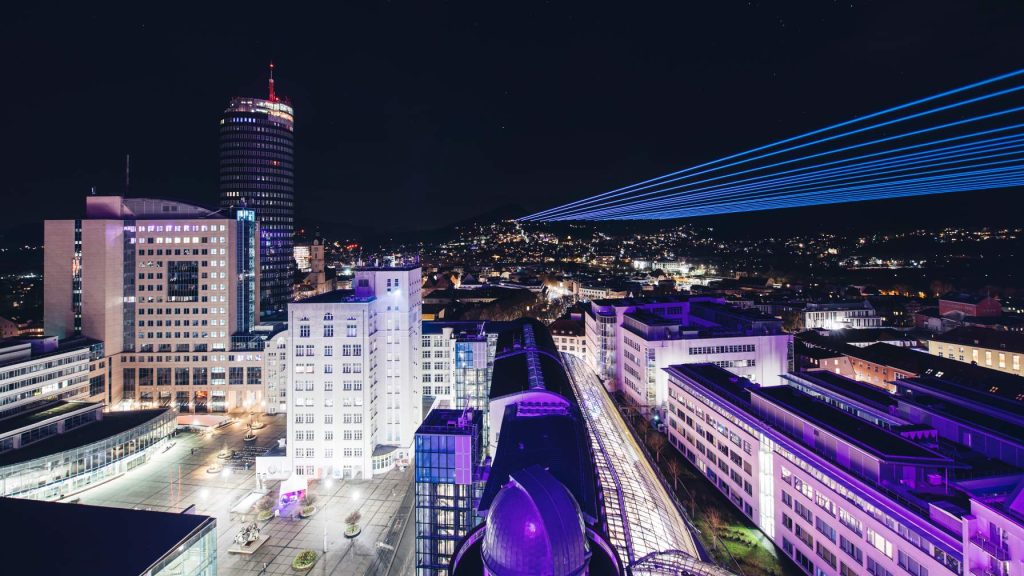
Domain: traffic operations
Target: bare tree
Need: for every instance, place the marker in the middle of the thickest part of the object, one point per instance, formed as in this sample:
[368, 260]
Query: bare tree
[642, 427]
[713, 518]
[675, 470]
[656, 442]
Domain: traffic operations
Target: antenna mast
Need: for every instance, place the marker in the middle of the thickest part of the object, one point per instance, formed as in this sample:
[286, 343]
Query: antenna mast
[127, 173]
[273, 96]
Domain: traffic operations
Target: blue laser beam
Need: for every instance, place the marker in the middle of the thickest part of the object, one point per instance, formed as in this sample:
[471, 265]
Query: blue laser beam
[1012, 175]
[851, 122]
[952, 154]
[793, 183]
[865, 144]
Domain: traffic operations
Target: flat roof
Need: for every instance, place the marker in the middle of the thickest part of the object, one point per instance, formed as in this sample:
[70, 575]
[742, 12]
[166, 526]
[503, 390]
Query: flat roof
[983, 338]
[112, 423]
[63, 347]
[71, 539]
[721, 381]
[335, 297]
[42, 414]
[850, 428]
[871, 395]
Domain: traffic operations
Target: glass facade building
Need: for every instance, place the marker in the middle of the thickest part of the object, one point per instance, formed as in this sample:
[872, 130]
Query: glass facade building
[256, 172]
[64, 464]
[197, 556]
[448, 452]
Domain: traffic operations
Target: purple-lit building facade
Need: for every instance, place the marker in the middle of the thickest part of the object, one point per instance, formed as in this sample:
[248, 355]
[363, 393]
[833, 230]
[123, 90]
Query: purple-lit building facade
[848, 479]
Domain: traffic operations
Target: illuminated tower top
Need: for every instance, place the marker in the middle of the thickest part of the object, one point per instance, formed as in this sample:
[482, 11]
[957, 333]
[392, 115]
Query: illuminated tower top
[256, 172]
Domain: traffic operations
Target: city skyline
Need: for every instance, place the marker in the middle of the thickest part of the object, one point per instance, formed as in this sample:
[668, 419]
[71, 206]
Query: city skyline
[384, 290]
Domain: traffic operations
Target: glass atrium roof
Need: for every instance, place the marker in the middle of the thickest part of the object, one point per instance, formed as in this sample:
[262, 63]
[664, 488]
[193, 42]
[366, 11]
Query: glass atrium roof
[644, 524]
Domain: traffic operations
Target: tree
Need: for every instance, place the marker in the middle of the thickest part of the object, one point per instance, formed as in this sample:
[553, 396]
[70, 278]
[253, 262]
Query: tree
[713, 518]
[642, 427]
[353, 518]
[656, 442]
[675, 470]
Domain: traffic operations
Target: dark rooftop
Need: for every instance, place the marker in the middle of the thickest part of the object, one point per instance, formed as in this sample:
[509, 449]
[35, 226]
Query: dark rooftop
[72, 539]
[111, 424]
[335, 296]
[641, 300]
[963, 297]
[984, 338]
[865, 393]
[557, 442]
[717, 379]
[450, 421]
[42, 413]
[916, 362]
[850, 428]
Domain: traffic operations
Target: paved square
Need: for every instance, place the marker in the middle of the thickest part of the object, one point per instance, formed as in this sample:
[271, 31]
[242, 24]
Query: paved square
[178, 478]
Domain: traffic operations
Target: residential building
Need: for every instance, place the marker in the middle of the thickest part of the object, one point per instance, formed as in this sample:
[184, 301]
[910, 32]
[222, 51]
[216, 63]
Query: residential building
[257, 173]
[354, 400]
[570, 335]
[961, 304]
[995, 349]
[883, 365]
[840, 315]
[166, 286]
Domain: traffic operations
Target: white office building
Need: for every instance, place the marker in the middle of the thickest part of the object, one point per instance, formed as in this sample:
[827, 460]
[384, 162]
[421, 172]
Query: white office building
[354, 396]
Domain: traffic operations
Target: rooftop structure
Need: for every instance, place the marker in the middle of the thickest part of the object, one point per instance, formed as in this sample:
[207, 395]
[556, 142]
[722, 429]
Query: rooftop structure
[69, 539]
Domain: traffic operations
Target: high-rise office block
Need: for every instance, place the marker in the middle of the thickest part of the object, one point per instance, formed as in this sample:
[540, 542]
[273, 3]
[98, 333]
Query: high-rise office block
[354, 401]
[164, 285]
[256, 172]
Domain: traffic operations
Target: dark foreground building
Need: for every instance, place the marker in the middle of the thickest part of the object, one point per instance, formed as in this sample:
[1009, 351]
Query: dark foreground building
[73, 539]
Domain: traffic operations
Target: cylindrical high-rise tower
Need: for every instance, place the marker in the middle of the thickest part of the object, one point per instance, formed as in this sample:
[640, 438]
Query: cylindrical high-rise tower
[256, 172]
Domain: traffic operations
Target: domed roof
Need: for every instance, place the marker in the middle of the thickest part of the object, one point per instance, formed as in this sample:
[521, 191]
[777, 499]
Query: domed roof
[535, 528]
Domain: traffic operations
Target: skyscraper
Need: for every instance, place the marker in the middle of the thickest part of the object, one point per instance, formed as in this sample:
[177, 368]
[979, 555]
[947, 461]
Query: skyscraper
[256, 172]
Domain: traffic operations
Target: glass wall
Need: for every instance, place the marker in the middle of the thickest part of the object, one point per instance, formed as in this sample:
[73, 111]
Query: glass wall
[57, 475]
[197, 557]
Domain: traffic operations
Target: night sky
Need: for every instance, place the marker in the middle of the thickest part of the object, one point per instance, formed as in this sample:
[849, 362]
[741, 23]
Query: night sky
[416, 115]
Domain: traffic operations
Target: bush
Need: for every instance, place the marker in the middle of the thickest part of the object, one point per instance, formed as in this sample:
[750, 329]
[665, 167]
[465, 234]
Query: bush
[304, 560]
[309, 500]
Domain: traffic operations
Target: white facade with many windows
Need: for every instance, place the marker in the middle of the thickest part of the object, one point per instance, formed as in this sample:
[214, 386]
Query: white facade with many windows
[354, 398]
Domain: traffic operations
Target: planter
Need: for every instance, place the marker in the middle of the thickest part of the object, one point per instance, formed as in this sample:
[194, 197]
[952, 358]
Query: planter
[352, 531]
[248, 438]
[304, 561]
[264, 515]
[215, 469]
[307, 511]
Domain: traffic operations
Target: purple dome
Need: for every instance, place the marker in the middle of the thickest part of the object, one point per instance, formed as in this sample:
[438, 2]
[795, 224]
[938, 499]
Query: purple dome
[534, 528]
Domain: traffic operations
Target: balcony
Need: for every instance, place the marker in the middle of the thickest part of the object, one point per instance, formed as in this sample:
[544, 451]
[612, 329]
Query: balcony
[984, 572]
[997, 551]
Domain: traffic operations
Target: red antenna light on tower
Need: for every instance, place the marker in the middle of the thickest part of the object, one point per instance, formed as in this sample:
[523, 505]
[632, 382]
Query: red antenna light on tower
[273, 97]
